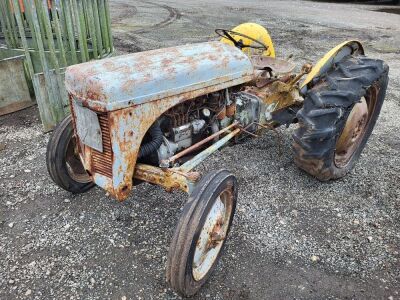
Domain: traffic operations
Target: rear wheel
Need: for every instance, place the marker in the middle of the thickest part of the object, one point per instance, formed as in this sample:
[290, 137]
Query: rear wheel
[201, 232]
[63, 162]
[338, 116]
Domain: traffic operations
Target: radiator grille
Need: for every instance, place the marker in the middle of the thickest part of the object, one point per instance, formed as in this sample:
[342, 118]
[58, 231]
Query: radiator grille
[102, 161]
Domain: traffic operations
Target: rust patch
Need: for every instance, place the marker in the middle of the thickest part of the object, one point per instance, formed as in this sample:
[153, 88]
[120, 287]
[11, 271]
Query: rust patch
[169, 179]
[231, 110]
[128, 127]
[109, 65]
[101, 162]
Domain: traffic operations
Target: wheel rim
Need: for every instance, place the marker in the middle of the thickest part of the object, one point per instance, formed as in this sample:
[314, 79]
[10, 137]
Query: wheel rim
[74, 165]
[355, 127]
[212, 235]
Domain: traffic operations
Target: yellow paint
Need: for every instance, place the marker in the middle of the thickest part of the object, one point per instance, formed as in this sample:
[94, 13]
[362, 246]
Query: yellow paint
[254, 31]
[168, 179]
[328, 57]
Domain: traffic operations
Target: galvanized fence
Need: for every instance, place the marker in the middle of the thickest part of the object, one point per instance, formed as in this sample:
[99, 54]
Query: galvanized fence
[53, 34]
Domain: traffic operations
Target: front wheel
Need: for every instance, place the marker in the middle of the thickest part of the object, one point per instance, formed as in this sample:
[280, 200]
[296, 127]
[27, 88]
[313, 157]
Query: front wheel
[63, 162]
[338, 116]
[201, 232]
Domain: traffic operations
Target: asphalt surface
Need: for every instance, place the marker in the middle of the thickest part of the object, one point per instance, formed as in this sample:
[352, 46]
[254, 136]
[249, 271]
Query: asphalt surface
[293, 237]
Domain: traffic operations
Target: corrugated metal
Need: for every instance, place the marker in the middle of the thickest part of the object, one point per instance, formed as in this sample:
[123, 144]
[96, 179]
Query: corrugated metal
[120, 82]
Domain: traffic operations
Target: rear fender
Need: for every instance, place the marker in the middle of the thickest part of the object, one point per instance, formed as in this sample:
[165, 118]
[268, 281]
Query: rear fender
[336, 54]
[254, 31]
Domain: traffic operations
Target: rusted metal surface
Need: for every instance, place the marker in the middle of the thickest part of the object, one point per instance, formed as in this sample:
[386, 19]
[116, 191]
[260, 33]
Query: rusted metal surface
[222, 114]
[120, 184]
[230, 110]
[168, 178]
[195, 161]
[355, 127]
[244, 129]
[102, 161]
[74, 165]
[277, 66]
[138, 78]
[157, 80]
[129, 93]
[213, 233]
[127, 128]
[196, 146]
[279, 94]
[305, 69]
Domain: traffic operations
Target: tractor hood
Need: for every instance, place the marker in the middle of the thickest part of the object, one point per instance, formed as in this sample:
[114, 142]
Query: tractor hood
[132, 79]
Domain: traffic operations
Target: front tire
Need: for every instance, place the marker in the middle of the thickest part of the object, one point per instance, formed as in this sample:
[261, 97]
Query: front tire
[201, 233]
[63, 162]
[338, 116]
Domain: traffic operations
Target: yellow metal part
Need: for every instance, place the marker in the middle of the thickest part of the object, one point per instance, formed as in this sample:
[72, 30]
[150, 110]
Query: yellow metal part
[254, 31]
[283, 95]
[280, 94]
[169, 179]
[355, 47]
[277, 95]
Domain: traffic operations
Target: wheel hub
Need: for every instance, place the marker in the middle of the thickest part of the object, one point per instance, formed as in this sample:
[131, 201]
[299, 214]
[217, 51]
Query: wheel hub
[212, 235]
[74, 165]
[352, 133]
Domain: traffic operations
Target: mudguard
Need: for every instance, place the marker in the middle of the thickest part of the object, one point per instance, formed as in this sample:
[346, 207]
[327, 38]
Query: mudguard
[254, 31]
[335, 55]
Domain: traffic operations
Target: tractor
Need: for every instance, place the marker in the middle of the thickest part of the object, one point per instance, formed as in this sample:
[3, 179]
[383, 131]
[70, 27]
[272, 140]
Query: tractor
[154, 116]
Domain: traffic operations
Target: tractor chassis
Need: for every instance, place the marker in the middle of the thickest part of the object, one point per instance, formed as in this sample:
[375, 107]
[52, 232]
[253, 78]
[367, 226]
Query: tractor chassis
[182, 177]
[281, 102]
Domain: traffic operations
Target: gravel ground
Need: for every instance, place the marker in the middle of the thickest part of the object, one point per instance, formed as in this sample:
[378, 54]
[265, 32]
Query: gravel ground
[293, 236]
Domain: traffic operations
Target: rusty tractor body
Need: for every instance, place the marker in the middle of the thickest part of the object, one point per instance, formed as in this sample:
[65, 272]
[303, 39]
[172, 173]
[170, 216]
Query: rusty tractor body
[129, 93]
[156, 115]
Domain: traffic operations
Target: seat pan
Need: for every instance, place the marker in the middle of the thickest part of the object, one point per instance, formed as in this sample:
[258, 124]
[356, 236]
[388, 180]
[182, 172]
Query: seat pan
[276, 65]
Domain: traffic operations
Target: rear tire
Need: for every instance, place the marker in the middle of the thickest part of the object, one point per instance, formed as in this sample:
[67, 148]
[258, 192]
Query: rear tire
[338, 116]
[63, 165]
[201, 233]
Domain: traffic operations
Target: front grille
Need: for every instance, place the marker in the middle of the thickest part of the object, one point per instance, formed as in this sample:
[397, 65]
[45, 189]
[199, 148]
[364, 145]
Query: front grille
[102, 161]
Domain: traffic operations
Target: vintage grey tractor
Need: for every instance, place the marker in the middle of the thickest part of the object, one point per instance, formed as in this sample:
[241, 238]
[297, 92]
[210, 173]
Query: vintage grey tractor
[154, 116]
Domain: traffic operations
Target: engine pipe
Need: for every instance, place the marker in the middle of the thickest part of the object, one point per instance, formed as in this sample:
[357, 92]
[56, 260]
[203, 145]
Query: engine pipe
[152, 146]
[199, 158]
[166, 163]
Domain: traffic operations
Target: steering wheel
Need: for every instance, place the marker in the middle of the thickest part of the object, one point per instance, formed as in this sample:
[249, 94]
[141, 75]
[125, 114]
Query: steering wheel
[228, 35]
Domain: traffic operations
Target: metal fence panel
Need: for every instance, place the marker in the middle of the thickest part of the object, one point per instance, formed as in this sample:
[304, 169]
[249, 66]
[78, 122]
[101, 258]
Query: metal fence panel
[12, 75]
[53, 35]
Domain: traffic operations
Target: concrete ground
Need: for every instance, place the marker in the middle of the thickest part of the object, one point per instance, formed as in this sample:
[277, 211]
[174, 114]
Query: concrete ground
[293, 237]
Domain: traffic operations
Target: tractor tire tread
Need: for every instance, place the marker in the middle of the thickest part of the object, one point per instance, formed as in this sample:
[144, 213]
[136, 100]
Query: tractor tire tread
[326, 108]
[180, 247]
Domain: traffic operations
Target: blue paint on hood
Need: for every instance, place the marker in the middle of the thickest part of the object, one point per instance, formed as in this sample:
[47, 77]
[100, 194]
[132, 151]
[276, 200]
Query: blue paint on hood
[126, 80]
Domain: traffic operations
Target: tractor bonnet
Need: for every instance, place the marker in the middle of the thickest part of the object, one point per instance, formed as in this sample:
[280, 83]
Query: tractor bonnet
[127, 80]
